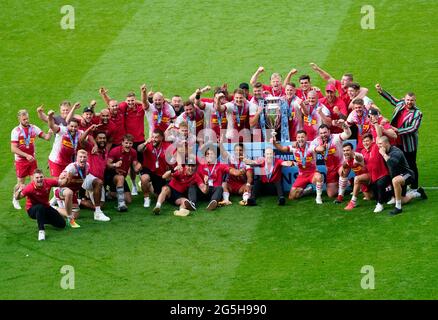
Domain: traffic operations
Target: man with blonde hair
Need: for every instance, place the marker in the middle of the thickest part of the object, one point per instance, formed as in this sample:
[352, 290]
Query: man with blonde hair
[23, 147]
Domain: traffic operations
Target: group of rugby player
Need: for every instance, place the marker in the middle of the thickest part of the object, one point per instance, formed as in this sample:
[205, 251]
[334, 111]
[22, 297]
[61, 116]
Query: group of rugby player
[184, 158]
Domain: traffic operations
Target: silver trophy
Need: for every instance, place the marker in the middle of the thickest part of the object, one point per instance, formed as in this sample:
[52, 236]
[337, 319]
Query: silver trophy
[272, 114]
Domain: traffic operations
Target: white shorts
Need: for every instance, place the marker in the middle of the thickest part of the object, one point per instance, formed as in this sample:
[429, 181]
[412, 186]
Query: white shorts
[88, 182]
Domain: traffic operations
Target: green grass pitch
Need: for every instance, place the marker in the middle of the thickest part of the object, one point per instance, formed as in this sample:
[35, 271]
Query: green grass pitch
[299, 251]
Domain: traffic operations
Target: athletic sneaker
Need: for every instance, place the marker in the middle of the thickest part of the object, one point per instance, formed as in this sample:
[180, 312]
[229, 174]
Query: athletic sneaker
[396, 211]
[100, 216]
[350, 206]
[15, 203]
[379, 208]
[242, 202]
[224, 203]
[147, 202]
[41, 235]
[72, 223]
[339, 199]
[212, 205]
[134, 191]
[156, 211]
[318, 200]
[251, 202]
[392, 201]
[422, 193]
[122, 207]
[190, 205]
[181, 212]
[281, 201]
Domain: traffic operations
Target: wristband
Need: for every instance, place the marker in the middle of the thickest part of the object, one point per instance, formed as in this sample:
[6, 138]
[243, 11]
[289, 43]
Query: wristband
[198, 96]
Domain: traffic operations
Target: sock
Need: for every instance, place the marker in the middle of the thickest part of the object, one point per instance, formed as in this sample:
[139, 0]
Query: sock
[398, 204]
[245, 196]
[353, 198]
[342, 185]
[318, 189]
[97, 209]
[120, 195]
[158, 205]
[226, 196]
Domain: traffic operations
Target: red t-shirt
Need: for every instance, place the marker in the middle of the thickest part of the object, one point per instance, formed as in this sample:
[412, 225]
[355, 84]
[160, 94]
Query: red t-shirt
[38, 195]
[116, 127]
[97, 161]
[386, 127]
[214, 173]
[303, 94]
[153, 156]
[271, 174]
[94, 120]
[117, 154]
[134, 120]
[342, 93]
[275, 93]
[342, 108]
[181, 181]
[376, 165]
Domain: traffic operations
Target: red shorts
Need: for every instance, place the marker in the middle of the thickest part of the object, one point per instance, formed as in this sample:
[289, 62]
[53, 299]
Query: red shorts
[75, 196]
[26, 168]
[365, 188]
[55, 169]
[332, 175]
[234, 186]
[303, 180]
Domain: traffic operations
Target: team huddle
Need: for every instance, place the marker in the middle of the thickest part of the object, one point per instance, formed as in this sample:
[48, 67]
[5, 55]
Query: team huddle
[198, 149]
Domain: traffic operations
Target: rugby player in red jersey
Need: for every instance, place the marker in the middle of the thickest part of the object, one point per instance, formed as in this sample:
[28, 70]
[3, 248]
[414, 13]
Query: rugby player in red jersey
[314, 115]
[154, 165]
[65, 145]
[237, 112]
[37, 193]
[93, 182]
[181, 178]
[212, 174]
[362, 181]
[194, 117]
[23, 147]
[274, 89]
[237, 184]
[330, 147]
[305, 159]
[268, 180]
[215, 122]
[306, 87]
[341, 85]
[353, 161]
[120, 160]
[72, 179]
[335, 105]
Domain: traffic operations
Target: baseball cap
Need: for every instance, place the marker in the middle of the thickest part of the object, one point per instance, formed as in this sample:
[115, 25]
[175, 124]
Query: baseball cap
[88, 109]
[373, 112]
[330, 87]
[244, 85]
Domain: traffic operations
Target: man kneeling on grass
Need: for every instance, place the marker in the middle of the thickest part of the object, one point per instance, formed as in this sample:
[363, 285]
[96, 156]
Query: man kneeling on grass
[37, 203]
[182, 177]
